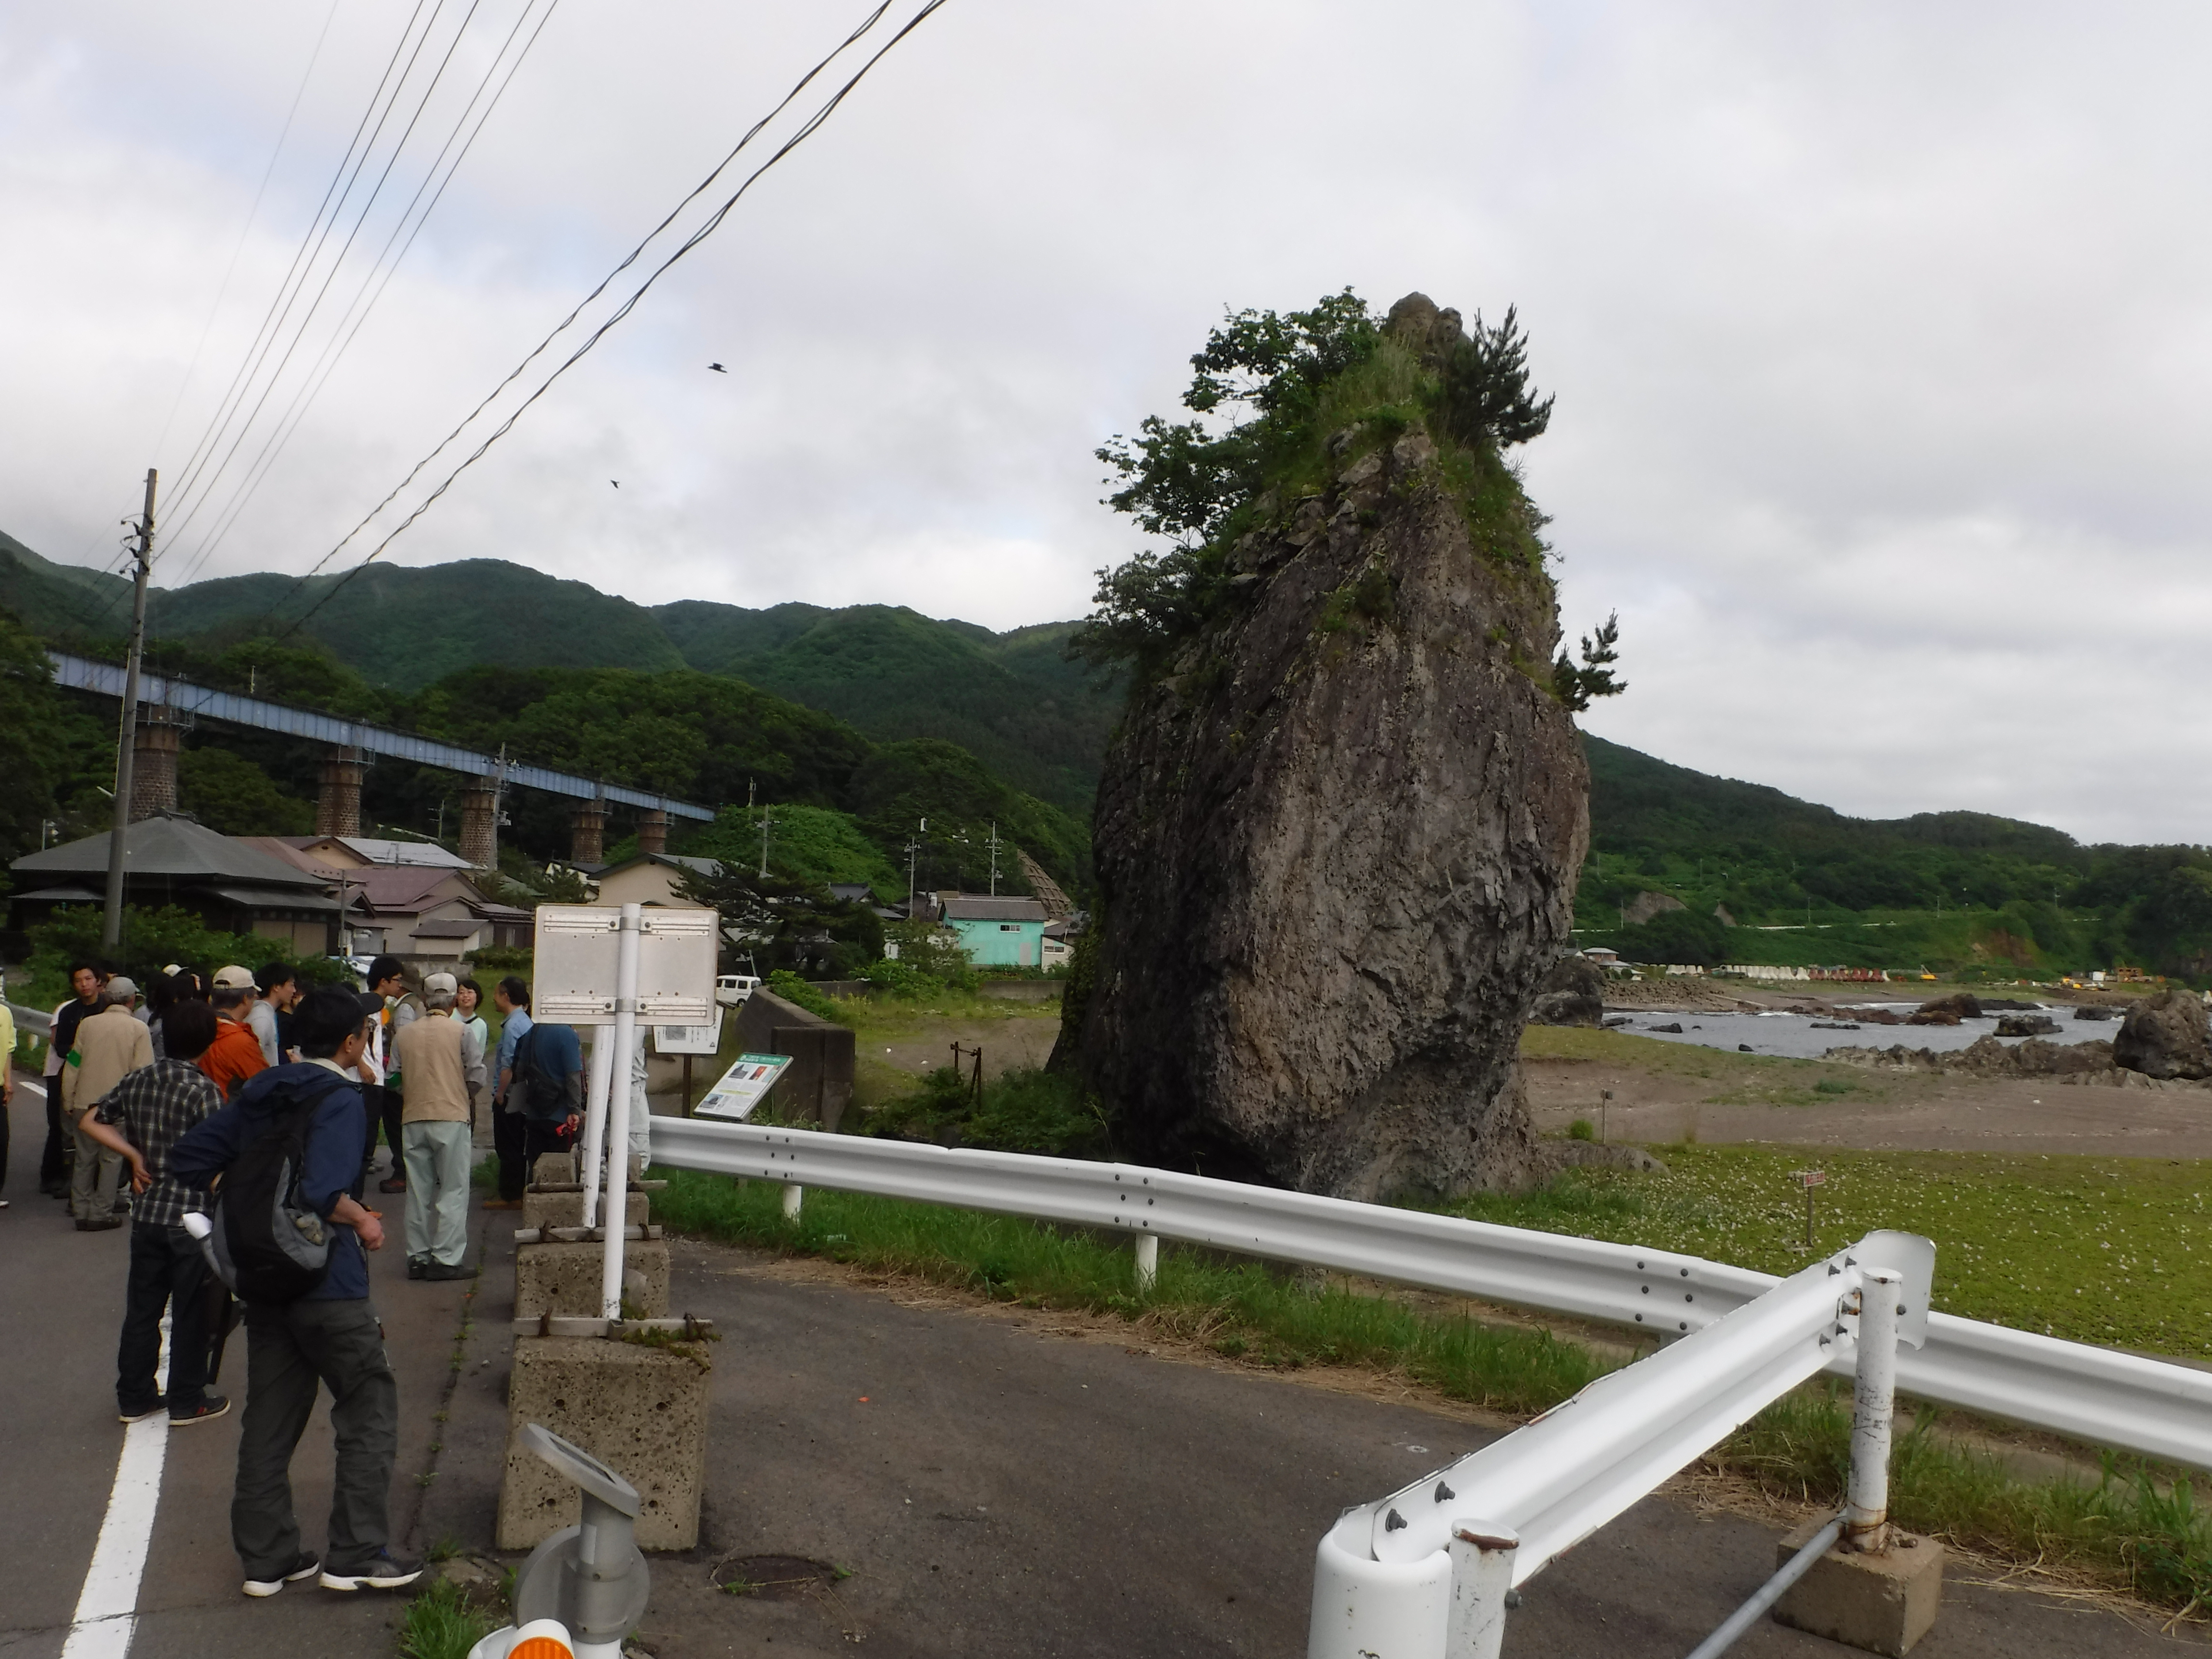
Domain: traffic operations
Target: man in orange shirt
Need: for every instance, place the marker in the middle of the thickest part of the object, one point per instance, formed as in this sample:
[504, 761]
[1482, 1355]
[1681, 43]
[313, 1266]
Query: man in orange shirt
[235, 1054]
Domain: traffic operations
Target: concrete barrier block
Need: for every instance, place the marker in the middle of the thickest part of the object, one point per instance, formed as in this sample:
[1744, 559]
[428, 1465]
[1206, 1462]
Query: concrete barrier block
[567, 1209]
[640, 1409]
[1882, 1603]
[564, 1279]
[554, 1169]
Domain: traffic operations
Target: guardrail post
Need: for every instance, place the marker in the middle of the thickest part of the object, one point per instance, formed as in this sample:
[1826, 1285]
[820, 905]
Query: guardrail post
[1874, 1404]
[1482, 1555]
[793, 1195]
[1148, 1262]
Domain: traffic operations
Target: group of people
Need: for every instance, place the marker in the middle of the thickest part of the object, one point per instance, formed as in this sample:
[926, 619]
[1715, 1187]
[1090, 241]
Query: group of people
[180, 1089]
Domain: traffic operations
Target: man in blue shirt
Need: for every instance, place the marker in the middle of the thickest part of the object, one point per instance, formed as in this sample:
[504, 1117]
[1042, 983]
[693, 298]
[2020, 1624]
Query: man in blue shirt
[329, 1336]
[511, 996]
[548, 1073]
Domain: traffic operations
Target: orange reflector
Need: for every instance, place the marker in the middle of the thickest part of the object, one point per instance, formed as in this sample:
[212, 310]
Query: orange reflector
[541, 1647]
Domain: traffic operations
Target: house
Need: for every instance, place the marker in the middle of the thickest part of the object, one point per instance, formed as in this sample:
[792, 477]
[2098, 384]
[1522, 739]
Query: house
[431, 915]
[231, 884]
[353, 852]
[1058, 947]
[997, 933]
[651, 879]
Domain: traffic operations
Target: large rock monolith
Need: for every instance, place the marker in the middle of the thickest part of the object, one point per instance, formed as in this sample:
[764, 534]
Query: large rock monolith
[1338, 837]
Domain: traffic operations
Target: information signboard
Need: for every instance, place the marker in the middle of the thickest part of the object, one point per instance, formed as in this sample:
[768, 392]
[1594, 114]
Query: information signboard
[743, 1087]
[574, 965]
[689, 1039]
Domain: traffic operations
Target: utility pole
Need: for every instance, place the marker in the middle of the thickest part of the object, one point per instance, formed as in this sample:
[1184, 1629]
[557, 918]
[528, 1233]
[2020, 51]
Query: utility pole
[110, 926]
[913, 847]
[766, 821]
[994, 858]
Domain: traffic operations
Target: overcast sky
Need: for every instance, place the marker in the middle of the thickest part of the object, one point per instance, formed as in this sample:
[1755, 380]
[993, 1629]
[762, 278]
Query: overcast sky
[1881, 333]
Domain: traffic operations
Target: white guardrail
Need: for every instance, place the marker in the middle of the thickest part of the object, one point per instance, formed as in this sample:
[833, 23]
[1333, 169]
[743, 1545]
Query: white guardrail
[1427, 1571]
[2094, 1394]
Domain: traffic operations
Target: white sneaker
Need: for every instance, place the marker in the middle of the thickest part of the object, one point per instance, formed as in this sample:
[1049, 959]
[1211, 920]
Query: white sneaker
[305, 1564]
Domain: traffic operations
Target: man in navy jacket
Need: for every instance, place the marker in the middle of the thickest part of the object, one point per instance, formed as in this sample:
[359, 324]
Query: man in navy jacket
[329, 1336]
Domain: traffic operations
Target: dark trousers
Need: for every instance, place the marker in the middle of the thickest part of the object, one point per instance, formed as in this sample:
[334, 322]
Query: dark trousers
[166, 1271]
[384, 1106]
[53, 1162]
[289, 1349]
[509, 1135]
[539, 1138]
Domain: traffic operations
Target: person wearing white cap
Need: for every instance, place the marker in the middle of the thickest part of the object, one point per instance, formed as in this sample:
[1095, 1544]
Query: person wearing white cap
[107, 1046]
[444, 1062]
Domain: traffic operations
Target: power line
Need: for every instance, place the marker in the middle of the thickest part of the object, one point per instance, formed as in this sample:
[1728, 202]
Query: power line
[346, 247]
[310, 246]
[380, 274]
[712, 223]
[627, 260]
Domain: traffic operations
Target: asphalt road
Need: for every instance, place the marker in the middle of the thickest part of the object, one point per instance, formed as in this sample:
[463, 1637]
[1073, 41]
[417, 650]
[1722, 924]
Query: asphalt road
[991, 1484]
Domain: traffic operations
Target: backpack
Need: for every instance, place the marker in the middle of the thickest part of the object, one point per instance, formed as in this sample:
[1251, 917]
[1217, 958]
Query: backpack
[266, 1244]
[544, 1096]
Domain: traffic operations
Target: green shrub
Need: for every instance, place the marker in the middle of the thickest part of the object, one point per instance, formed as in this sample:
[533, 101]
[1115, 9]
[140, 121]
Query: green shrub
[792, 989]
[151, 939]
[1020, 1111]
[1580, 1130]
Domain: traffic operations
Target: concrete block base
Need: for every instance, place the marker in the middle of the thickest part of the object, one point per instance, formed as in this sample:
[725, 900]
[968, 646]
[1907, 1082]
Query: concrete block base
[641, 1410]
[564, 1279]
[567, 1209]
[1882, 1603]
[555, 1167]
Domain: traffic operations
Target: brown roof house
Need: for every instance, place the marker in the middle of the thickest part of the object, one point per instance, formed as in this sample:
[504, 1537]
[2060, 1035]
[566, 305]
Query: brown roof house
[430, 916]
[232, 885]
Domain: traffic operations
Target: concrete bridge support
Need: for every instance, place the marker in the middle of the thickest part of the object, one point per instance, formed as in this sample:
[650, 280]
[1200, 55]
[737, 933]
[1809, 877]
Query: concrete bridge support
[587, 833]
[154, 764]
[338, 806]
[652, 830]
[480, 823]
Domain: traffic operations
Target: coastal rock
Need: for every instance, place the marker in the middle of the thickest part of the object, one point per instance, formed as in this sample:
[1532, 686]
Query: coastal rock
[1337, 840]
[1947, 1011]
[2021, 1025]
[2093, 1011]
[1987, 1057]
[1573, 993]
[1676, 1029]
[1877, 1016]
[2164, 1036]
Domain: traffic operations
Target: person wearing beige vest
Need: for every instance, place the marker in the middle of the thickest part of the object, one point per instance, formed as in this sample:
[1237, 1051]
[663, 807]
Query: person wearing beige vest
[109, 1045]
[443, 1061]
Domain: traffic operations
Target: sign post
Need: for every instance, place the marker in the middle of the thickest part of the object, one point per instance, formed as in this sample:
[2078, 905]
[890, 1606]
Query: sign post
[1809, 1179]
[597, 965]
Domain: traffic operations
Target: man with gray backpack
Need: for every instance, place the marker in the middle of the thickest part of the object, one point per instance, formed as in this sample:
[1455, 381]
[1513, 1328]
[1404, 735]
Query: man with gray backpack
[288, 1235]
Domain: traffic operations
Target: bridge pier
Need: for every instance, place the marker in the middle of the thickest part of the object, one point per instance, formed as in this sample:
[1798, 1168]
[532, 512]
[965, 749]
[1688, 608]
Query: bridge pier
[652, 830]
[154, 764]
[338, 806]
[480, 823]
[587, 833]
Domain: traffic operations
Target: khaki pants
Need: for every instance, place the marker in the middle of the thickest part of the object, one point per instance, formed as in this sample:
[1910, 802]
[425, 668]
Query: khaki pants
[437, 1192]
[93, 1182]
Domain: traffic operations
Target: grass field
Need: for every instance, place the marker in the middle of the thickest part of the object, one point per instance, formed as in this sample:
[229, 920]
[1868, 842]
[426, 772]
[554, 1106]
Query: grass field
[2111, 1250]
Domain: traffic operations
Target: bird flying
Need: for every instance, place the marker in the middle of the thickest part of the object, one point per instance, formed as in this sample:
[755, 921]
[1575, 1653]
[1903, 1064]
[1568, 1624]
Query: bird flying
[718, 368]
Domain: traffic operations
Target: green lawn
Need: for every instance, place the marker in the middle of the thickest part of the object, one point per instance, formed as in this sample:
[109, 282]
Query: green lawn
[2110, 1250]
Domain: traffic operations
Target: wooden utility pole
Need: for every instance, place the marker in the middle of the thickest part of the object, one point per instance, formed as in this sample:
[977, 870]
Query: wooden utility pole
[110, 926]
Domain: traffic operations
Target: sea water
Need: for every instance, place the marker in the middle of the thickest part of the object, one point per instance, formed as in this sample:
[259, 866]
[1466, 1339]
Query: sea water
[1794, 1035]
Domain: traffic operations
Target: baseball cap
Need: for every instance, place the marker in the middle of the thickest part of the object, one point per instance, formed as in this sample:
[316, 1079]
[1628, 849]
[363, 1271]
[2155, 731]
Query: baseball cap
[175, 968]
[435, 983]
[118, 988]
[233, 978]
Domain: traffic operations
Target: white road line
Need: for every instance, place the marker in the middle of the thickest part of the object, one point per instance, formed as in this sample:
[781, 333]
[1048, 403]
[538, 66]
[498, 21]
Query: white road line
[107, 1606]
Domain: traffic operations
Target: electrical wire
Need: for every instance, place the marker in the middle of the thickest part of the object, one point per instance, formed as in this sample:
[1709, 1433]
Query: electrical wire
[812, 124]
[866, 24]
[331, 276]
[380, 274]
[309, 247]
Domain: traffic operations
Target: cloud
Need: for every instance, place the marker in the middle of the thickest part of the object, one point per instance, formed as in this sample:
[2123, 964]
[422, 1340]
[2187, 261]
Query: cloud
[1880, 334]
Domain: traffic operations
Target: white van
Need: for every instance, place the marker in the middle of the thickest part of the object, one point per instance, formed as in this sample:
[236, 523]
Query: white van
[731, 989]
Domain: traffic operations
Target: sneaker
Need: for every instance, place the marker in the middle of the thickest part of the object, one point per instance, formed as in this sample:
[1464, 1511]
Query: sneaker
[383, 1571]
[140, 1414]
[442, 1270]
[305, 1564]
[211, 1406]
[397, 1184]
[415, 1264]
[105, 1224]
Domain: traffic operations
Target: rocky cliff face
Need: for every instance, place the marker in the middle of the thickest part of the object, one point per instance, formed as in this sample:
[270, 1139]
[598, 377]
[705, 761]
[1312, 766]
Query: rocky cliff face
[1338, 838]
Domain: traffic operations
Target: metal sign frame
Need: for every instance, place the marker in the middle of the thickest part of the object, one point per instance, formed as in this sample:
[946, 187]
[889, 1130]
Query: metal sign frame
[576, 959]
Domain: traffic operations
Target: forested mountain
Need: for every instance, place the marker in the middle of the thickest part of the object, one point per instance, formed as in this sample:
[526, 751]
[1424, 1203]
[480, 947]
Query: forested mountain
[1012, 700]
[887, 716]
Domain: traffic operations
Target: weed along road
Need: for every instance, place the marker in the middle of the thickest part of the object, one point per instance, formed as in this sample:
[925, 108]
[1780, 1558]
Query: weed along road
[912, 1470]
